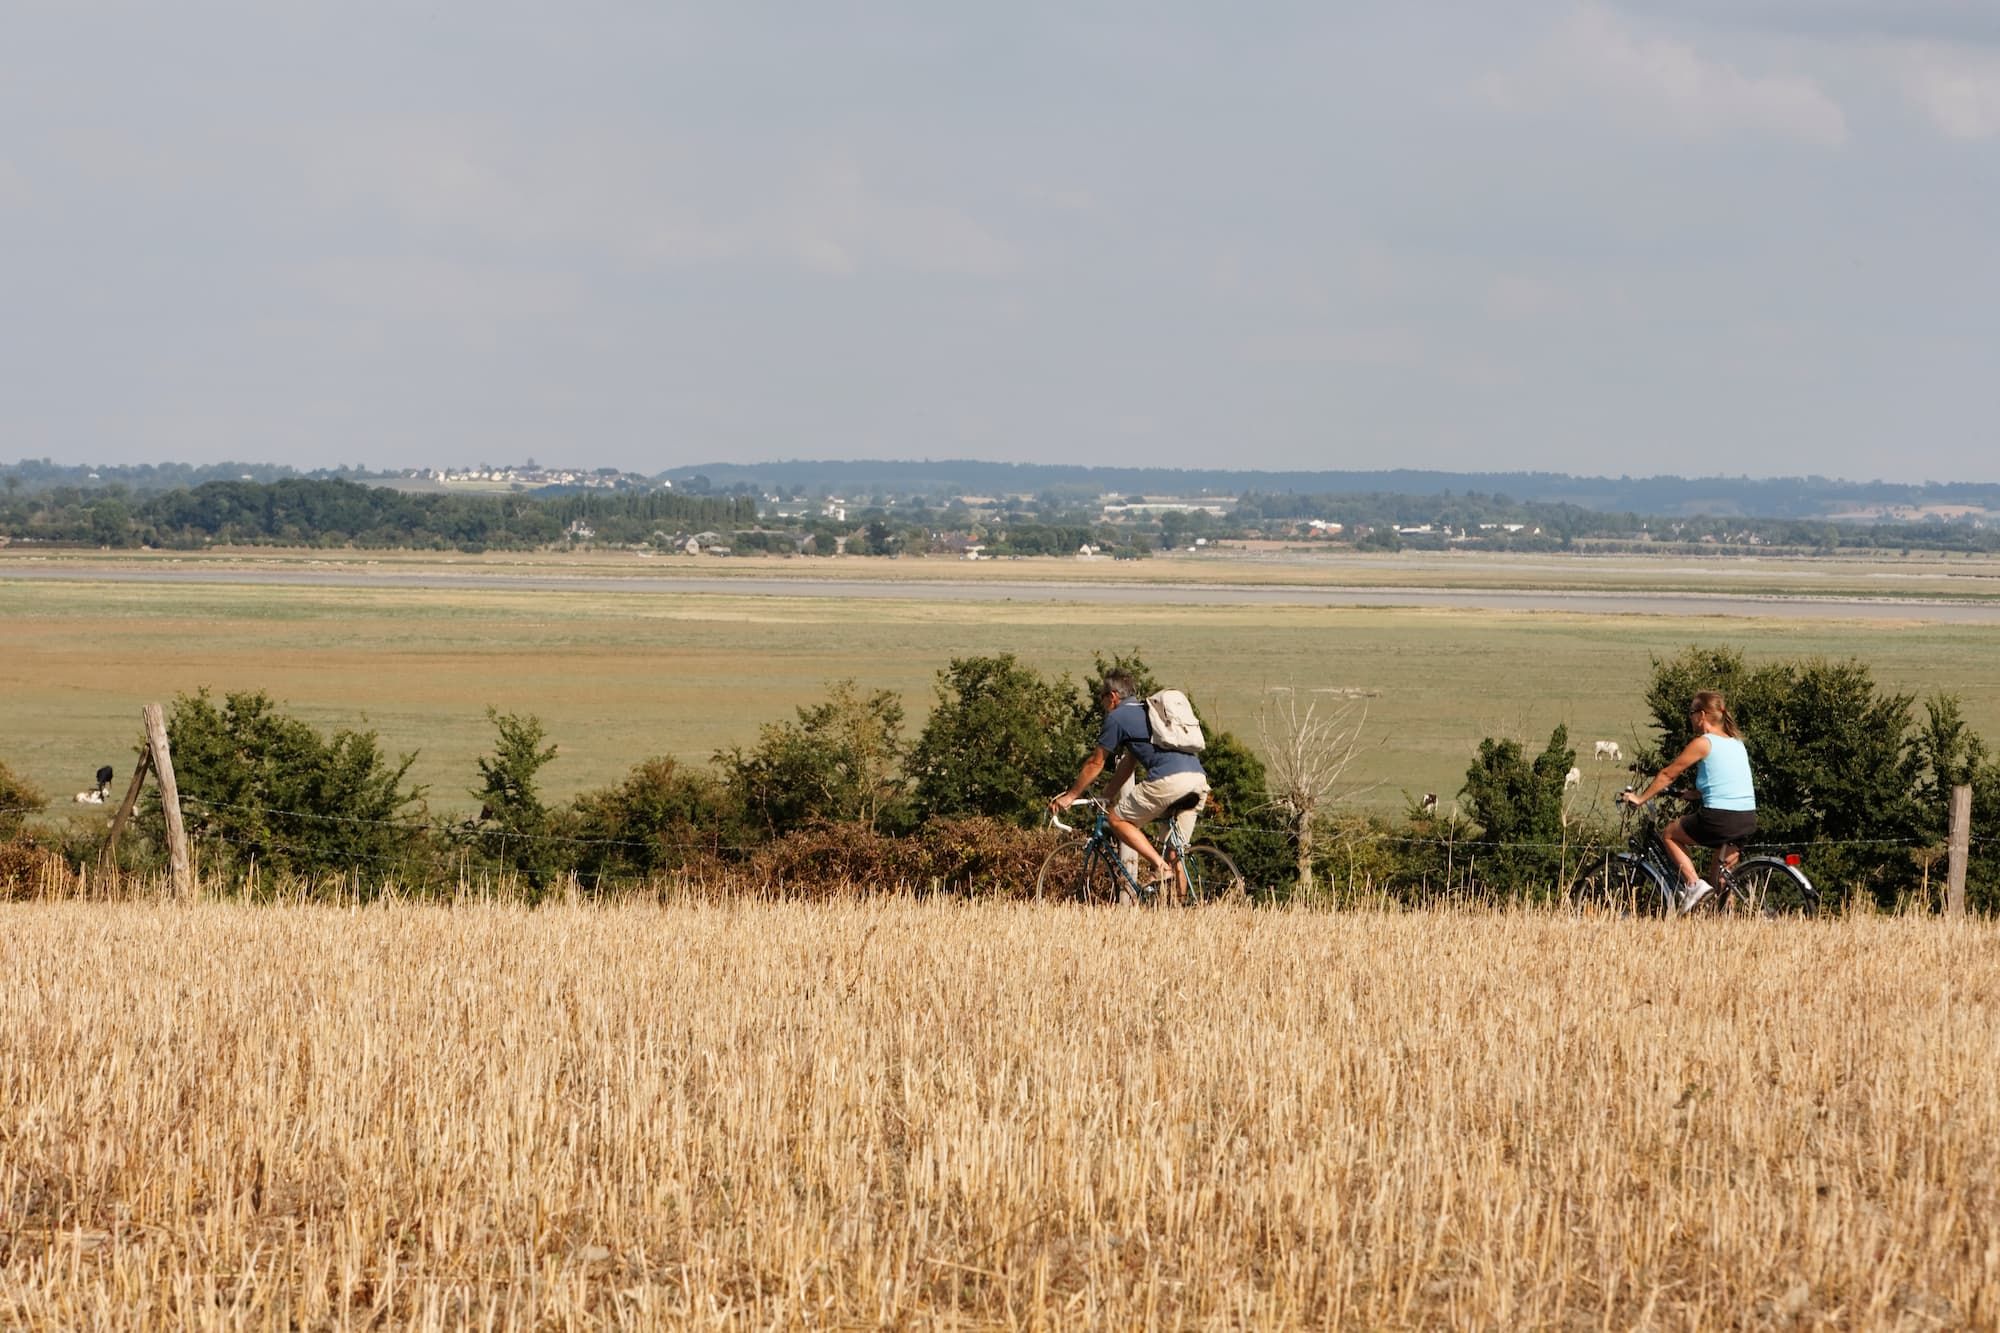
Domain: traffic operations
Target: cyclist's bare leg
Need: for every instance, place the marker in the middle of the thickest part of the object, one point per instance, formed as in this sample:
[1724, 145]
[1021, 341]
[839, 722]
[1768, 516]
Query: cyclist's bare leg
[1680, 846]
[1725, 860]
[1135, 837]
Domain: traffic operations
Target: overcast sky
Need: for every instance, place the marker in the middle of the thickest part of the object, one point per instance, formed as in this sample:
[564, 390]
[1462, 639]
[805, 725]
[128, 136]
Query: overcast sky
[1674, 236]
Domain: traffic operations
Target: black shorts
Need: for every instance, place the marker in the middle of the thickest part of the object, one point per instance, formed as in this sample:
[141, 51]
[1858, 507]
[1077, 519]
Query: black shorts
[1712, 828]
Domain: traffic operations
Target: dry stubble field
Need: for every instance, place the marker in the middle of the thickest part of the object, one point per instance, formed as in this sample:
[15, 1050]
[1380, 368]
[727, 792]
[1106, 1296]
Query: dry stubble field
[889, 1113]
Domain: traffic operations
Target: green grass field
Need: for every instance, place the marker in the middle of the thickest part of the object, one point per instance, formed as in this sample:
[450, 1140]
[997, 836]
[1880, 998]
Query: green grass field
[619, 676]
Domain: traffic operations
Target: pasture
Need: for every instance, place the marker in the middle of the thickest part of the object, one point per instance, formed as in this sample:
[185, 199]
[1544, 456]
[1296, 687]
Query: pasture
[888, 1114]
[623, 675]
[620, 674]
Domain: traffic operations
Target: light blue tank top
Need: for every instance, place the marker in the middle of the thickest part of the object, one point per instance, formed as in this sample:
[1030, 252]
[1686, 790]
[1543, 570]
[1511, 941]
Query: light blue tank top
[1724, 777]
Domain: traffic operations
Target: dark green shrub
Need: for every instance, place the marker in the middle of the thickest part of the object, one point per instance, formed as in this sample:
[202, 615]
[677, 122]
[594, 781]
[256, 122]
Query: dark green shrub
[842, 760]
[258, 786]
[662, 817]
[514, 832]
[1518, 805]
[1001, 741]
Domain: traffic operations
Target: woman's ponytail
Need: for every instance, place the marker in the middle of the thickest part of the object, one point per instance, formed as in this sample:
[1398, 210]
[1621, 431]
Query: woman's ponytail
[1710, 705]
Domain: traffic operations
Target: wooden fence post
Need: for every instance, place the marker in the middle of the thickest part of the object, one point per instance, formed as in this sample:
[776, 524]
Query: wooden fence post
[1959, 848]
[108, 858]
[170, 799]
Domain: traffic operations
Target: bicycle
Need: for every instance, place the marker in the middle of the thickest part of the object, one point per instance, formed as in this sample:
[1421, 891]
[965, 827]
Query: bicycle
[1645, 880]
[1096, 872]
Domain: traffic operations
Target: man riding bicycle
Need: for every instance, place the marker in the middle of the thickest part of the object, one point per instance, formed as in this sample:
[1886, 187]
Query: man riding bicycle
[1172, 776]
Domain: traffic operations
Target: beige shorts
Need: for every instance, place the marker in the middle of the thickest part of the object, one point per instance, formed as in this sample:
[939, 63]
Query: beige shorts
[1143, 802]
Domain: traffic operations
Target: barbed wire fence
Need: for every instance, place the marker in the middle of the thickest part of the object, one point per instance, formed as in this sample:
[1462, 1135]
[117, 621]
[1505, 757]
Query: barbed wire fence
[420, 838]
[437, 838]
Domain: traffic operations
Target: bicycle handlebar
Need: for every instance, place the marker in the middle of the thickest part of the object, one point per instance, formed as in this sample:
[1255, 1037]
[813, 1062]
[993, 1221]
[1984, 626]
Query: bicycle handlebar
[1056, 819]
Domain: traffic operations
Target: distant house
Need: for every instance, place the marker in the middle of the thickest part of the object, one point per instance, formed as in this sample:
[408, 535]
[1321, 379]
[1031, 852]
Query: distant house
[952, 543]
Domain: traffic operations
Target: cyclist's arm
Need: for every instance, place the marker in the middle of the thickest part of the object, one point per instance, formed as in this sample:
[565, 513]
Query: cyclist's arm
[1696, 751]
[1091, 768]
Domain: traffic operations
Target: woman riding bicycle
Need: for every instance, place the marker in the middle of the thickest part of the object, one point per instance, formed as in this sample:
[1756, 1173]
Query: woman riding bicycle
[1728, 813]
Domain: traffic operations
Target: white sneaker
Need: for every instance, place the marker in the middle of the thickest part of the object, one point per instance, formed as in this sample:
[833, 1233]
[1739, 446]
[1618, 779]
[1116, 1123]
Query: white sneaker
[1692, 895]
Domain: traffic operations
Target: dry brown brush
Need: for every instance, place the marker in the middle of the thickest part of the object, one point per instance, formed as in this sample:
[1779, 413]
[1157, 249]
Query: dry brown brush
[890, 1113]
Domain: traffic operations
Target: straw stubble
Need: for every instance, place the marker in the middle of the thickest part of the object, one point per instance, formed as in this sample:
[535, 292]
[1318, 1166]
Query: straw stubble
[886, 1112]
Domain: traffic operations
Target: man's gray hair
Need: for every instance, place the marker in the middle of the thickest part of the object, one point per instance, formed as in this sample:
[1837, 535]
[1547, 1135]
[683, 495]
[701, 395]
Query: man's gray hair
[1121, 681]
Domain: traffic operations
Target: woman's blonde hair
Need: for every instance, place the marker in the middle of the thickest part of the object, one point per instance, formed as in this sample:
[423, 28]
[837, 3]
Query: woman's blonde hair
[1711, 705]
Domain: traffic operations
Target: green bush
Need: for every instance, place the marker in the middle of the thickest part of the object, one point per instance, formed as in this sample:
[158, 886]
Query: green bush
[841, 761]
[1518, 803]
[662, 817]
[1001, 741]
[258, 786]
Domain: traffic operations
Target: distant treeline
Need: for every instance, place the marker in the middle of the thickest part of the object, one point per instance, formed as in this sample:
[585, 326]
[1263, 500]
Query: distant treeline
[938, 480]
[301, 512]
[1780, 497]
[1538, 525]
[42, 474]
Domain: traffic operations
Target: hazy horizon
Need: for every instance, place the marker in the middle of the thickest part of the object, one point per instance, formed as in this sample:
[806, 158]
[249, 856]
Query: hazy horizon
[771, 464]
[1663, 237]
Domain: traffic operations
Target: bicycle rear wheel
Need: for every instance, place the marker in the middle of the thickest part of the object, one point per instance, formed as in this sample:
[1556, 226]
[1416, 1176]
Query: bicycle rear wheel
[1212, 877]
[1080, 873]
[1767, 886]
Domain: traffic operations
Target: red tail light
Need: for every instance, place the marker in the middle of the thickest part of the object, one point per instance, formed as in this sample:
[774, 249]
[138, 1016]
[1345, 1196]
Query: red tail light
[1793, 858]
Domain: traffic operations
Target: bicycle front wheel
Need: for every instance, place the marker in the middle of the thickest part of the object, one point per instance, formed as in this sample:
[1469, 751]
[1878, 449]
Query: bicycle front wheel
[1212, 877]
[1080, 873]
[1767, 886]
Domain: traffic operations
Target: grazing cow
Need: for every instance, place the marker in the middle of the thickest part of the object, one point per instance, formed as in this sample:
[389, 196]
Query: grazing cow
[1608, 750]
[99, 794]
[1572, 778]
[1430, 803]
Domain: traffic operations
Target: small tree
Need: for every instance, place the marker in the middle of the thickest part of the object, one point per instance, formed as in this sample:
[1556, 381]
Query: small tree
[1518, 804]
[513, 830]
[1307, 754]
